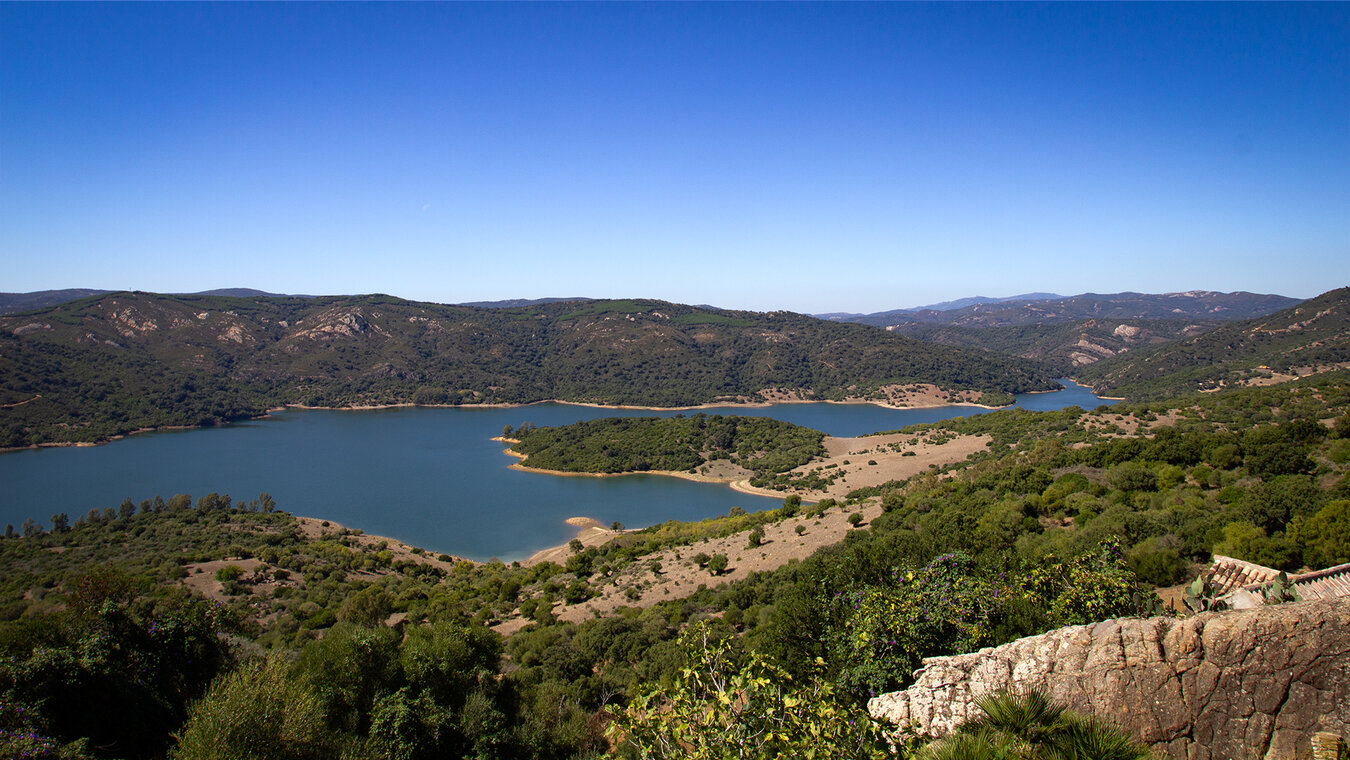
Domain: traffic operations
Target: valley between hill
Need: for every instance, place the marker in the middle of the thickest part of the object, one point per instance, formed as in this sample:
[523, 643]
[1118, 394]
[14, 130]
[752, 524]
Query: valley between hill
[202, 616]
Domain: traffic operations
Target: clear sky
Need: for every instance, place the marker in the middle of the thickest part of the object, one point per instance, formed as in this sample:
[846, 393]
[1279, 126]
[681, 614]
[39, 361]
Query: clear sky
[831, 157]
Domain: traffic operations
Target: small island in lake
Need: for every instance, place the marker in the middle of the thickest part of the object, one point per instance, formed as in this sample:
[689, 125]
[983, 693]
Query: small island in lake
[752, 454]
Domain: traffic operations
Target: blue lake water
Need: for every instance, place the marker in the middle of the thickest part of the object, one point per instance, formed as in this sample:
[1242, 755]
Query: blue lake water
[429, 477]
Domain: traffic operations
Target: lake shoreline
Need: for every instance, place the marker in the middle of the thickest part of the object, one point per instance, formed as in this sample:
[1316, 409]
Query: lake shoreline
[428, 478]
[407, 405]
[590, 532]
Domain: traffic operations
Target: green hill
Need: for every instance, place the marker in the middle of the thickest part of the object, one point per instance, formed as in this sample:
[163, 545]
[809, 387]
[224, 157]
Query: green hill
[107, 365]
[764, 446]
[1062, 347]
[1306, 339]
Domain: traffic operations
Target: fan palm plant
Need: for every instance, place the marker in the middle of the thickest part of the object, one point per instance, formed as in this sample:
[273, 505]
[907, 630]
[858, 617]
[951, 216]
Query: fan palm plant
[1029, 726]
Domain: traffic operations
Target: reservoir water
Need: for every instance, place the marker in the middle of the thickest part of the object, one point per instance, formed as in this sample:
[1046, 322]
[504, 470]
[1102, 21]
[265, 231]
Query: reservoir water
[429, 477]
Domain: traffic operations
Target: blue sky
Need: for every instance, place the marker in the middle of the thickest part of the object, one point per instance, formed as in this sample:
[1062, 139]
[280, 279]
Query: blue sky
[832, 157]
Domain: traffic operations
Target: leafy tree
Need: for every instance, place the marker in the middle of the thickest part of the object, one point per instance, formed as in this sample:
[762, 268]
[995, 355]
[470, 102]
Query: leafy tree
[719, 708]
[229, 573]
[408, 725]
[756, 537]
[368, 607]
[576, 592]
[1131, 476]
[148, 656]
[1272, 505]
[942, 608]
[1085, 588]
[450, 660]
[1327, 535]
[347, 669]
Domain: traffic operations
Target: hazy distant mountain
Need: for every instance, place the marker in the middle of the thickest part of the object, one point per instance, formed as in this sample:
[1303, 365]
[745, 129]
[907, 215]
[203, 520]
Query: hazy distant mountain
[244, 293]
[514, 303]
[1035, 310]
[960, 303]
[12, 303]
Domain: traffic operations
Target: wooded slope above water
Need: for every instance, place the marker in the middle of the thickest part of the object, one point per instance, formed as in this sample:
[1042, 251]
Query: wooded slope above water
[614, 445]
[1310, 338]
[103, 366]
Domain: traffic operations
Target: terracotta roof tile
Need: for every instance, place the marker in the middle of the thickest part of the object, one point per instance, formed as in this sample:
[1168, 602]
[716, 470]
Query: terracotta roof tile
[1229, 574]
[1323, 584]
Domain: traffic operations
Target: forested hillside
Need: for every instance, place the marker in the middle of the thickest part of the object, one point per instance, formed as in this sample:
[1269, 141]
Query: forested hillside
[1309, 338]
[1062, 347]
[104, 366]
[318, 641]
[1067, 333]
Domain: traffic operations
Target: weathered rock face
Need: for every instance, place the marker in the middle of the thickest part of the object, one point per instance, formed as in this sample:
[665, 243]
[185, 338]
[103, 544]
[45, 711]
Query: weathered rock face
[1255, 683]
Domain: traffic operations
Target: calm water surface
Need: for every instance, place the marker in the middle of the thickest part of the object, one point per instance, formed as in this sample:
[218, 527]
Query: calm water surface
[430, 477]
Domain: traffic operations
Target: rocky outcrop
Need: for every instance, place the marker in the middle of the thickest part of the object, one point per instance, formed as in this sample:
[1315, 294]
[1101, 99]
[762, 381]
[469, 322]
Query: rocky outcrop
[1257, 683]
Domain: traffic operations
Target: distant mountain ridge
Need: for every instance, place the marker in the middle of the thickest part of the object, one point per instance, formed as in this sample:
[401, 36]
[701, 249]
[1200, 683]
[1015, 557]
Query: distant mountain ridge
[959, 303]
[106, 365]
[1031, 310]
[1309, 338]
[512, 303]
[15, 303]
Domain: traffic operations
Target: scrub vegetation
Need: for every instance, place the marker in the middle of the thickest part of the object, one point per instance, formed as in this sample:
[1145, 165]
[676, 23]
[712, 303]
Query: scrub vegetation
[1072, 516]
[231, 629]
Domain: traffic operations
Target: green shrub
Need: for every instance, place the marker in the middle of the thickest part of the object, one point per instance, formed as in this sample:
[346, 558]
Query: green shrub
[1327, 535]
[229, 573]
[717, 564]
[259, 712]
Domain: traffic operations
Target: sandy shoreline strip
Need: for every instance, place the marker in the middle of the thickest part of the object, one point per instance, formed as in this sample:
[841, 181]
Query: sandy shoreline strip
[590, 532]
[857, 462]
[404, 405]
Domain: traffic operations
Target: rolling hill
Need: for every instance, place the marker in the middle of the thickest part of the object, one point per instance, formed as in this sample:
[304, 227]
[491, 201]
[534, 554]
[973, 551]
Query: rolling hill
[1065, 347]
[1310, 338]
[13, 303]
[106, 365]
